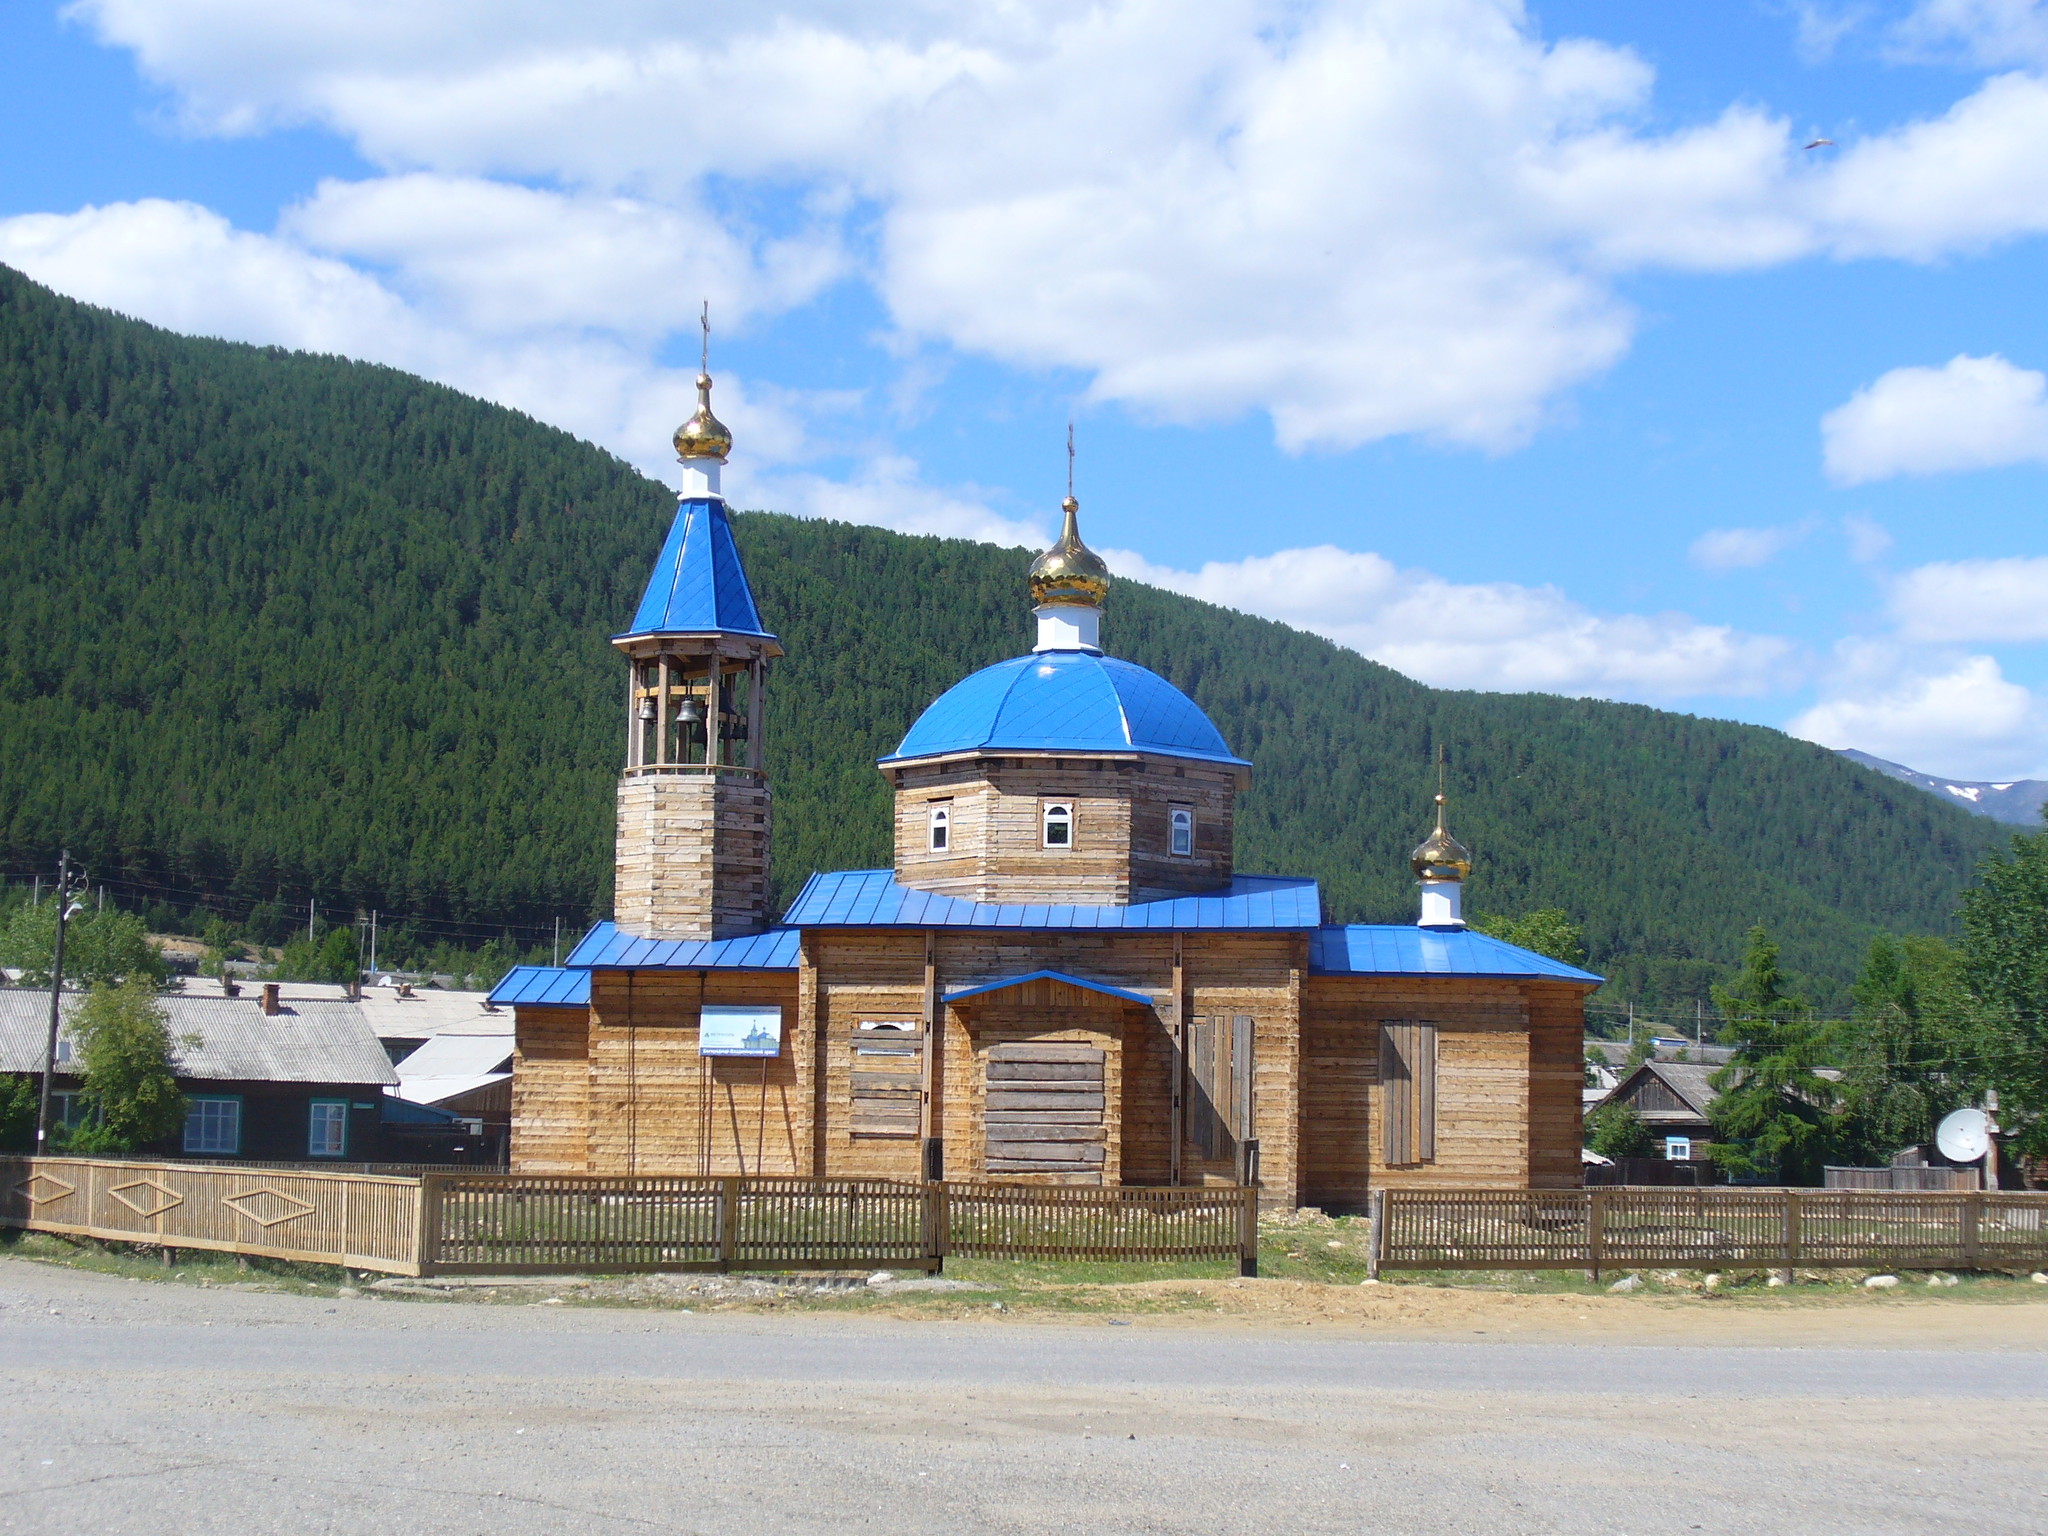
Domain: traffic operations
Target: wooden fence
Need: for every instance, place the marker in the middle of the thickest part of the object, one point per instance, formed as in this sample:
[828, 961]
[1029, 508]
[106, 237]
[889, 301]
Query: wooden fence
[1600, 1229]
[362, 1221]
[462, 1222]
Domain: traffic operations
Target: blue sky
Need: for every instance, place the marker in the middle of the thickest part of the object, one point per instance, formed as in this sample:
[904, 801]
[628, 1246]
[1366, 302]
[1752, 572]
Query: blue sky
[1516, 346]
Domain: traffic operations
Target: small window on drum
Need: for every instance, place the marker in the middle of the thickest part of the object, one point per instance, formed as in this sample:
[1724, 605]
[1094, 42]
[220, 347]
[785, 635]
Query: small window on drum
[940, 824]
[1059, 824]
[1181, 830]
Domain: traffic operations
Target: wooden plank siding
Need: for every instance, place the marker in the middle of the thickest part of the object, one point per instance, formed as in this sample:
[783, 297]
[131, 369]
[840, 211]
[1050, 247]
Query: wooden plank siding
[621, 1089]
[1507, 1088]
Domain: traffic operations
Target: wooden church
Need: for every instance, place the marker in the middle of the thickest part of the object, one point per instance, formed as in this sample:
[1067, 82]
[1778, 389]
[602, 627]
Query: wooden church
[1063, 979]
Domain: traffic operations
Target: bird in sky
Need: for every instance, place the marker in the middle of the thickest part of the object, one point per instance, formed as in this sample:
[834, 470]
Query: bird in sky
[1822, 144]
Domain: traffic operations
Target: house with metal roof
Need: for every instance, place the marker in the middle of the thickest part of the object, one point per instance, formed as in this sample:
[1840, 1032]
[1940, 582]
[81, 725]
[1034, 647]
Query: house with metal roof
[1062, 978]
[270, 1075]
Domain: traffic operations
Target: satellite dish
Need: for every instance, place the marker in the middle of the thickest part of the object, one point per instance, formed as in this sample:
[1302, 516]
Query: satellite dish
[1964, 1136]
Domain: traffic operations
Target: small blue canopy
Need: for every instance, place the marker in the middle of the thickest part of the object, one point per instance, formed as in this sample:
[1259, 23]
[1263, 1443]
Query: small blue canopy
[1065, 701]
[698, 585]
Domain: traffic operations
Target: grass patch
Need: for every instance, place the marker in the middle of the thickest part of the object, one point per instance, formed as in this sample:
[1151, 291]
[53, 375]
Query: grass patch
[185, 1266]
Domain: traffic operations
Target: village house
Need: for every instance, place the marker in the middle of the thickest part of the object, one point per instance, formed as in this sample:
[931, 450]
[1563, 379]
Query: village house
[267, 1076]
[1062, 979]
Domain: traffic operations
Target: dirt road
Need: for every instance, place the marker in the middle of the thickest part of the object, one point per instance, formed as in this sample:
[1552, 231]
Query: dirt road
[139, 1407]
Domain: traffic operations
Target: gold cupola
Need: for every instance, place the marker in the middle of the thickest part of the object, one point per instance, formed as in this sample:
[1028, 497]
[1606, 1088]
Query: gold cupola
[1070, 574]
[1441, 856]
[703, 436]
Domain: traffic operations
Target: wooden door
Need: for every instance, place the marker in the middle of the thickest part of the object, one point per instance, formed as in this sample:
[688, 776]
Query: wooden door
[1044, 1108]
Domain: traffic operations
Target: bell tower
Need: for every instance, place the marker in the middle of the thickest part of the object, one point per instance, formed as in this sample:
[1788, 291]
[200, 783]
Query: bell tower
[694, 804]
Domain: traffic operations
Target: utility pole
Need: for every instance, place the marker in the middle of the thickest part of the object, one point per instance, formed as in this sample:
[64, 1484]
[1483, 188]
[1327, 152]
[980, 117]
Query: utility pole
[373, 942]
[309, 919]
[558, 940]
[65, 908]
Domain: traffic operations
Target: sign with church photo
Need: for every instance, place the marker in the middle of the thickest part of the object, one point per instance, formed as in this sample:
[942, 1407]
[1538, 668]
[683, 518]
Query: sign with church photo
[739, 1031]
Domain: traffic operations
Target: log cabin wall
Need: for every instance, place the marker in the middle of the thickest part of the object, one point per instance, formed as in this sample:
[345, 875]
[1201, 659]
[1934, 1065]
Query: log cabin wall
[1506, 1055]
[551, 1090]
[1557, 1072]
[1122, 832]
[851, 977]
[637, 1096]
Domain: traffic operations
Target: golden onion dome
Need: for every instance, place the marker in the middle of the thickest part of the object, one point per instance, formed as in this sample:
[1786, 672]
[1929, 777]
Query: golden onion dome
[1441, 856]
[703, 436]
[1070, 574]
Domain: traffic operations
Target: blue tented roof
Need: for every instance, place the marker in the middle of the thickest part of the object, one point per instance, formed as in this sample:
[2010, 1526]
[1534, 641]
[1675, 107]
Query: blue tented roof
[605, 948]
[698, 585]
[554, 985]
[1071, 980]
[871, 898]
[1065, 701]
[1387, 949]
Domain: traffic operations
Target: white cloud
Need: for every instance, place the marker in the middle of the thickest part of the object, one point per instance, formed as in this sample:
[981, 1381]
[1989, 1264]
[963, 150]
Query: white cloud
[1721, 550]
[1973, 600]
[1972, 413]
[1494, 635]
[1361, 217]
[1956, 715]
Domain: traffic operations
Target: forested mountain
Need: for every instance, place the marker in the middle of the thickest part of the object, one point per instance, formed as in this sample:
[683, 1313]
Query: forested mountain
[281, 626]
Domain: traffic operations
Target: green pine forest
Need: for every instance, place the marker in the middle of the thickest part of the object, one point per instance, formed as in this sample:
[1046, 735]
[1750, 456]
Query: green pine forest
[283, 627]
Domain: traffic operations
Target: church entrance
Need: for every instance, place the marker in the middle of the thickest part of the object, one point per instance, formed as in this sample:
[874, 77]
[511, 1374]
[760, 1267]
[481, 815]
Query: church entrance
[1044, 1110]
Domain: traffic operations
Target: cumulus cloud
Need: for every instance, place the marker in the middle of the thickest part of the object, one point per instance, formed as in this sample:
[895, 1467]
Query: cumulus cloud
[1247, 206]
[1973, 600]
[1721, 550]
[1948, 714]
[1972, 413]
[1494, 635]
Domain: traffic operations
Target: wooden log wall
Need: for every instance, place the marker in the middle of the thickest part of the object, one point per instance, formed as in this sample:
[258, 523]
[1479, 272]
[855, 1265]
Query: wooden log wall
[624, 1090]
[1507, 1086]
[1122, 844]
[692, 853]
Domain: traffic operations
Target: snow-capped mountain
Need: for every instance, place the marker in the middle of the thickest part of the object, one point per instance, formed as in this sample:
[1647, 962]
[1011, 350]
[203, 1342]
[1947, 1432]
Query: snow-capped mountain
[2017, 801]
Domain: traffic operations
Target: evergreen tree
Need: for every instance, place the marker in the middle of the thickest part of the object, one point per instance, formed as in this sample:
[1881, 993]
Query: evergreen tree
[1773, 1117]
[2003, 956]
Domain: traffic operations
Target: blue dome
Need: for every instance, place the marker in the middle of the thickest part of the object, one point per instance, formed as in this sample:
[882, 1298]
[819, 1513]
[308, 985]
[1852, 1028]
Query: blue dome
[1065, 701]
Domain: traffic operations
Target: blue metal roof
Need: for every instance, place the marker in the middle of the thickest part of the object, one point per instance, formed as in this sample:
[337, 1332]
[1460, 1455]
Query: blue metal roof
[605, 948]
[1065, 701]
[871, 898]
[553, 985]
[698, 584]
[1387, 949]
[1073, 981]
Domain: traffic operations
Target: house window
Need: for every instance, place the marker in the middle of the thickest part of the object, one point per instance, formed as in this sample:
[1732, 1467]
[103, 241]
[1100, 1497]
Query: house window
[1408, 1093]
[71, 1109]
[327, 1128]
[941, 827]
[1181, 822]
[213, 1123]
[1678, 1149]
[1059, 824]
